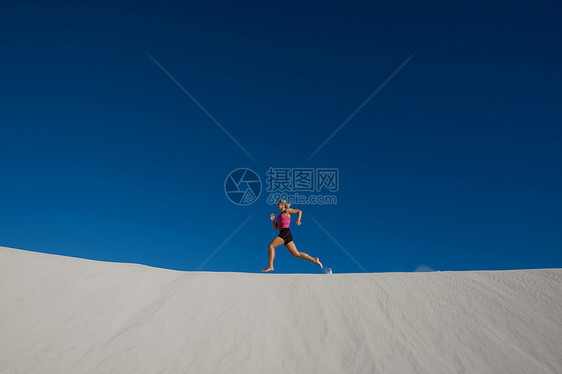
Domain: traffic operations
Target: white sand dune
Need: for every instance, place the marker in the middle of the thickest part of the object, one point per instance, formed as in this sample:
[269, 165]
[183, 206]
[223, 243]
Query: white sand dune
[68, 315]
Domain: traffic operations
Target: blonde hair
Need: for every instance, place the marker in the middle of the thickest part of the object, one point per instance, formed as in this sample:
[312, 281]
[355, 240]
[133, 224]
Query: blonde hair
[285, 204]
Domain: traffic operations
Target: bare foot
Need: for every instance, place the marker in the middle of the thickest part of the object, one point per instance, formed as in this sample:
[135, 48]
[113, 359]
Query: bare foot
[317, 262]
[269, 268]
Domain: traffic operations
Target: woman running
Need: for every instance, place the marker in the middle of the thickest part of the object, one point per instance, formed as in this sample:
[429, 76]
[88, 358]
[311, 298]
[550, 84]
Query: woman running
[282, 224]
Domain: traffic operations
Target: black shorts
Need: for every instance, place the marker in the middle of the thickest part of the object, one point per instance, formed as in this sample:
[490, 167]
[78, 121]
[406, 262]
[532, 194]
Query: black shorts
[286, 235]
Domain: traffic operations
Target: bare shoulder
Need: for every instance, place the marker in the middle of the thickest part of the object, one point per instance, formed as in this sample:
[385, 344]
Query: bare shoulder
[292, 211]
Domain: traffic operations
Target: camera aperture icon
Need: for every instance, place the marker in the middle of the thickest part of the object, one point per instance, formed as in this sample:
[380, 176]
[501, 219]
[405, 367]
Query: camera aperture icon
[242, 186]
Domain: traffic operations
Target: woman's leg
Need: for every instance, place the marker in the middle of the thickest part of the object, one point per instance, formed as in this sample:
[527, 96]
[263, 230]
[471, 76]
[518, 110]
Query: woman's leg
[293, 249]
[276, 242]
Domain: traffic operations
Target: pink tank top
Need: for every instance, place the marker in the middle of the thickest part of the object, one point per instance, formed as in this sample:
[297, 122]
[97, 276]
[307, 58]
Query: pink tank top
[283, 221]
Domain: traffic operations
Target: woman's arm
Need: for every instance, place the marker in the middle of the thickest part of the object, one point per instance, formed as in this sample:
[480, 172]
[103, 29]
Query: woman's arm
[272, 217]
[295, 211]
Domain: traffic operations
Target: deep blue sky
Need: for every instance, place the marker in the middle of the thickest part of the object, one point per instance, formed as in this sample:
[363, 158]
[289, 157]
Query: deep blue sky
[455, 164]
